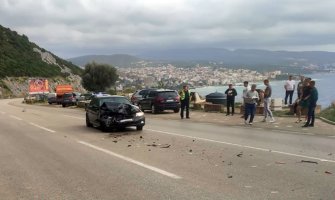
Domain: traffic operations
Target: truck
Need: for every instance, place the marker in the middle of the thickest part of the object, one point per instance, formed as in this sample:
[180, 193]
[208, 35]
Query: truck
[61, 90]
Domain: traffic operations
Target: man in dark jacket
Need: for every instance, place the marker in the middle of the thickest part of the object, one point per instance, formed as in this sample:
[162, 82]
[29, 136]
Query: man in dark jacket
[184, 96]
[231, 93]
[312, 99]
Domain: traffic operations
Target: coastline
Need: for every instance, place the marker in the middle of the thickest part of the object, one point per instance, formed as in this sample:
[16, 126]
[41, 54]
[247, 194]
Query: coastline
[324, 82]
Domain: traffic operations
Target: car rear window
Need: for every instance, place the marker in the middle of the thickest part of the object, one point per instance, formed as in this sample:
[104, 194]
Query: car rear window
[170, 94]
[67, 95]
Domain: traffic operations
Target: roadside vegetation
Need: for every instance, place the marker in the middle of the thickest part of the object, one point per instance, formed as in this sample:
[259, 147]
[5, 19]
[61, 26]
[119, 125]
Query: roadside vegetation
[328, 113]
[19, 59]
[99, 77]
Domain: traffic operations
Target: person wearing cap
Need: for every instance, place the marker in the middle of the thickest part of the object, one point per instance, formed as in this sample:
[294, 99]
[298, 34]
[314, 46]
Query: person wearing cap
[231, 93]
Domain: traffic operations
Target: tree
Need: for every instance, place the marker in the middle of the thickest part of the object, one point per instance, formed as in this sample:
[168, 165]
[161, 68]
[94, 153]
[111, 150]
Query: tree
[98, 77]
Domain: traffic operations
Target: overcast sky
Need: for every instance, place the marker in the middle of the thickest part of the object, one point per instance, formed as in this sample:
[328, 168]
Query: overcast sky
[72, 28]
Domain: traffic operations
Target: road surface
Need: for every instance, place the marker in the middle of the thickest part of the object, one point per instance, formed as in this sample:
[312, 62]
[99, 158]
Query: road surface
[47, 152]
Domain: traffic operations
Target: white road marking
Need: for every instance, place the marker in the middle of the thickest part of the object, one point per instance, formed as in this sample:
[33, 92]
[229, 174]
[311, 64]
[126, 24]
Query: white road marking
[245, 146]
[41, 127]
[14, 117]
[74, 117]
[155, 169]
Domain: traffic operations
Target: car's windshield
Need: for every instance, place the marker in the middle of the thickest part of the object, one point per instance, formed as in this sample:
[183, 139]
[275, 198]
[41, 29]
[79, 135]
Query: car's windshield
[115, 100]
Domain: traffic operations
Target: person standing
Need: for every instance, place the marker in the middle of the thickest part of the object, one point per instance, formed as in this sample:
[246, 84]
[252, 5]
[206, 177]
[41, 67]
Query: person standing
[289, 88]
[250, 104]
[304, 102]
[312, 99]
[267, 101]
[185, 102]
[244, 94]
[231, 93]
[300, 87]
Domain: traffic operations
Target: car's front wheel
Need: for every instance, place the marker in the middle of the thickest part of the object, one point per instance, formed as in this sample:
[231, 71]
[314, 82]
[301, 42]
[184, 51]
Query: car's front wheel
[153, 109]
[139, 128]
[103, 127]
[176, 110]
[88, 123]
[140, 107]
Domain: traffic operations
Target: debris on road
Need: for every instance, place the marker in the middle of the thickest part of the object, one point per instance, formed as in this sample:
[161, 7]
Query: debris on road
[280, 163]
[165, 146]
[328, 172]
[190, 150]
[141, 137]
[230, 176]
[115, 141]
[308, 161]
[240, 154]
[129, 145]
[159, 145]
[330, 154]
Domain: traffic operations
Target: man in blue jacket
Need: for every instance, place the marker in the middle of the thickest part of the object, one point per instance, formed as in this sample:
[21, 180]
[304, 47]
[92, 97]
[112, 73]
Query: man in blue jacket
[312, 99]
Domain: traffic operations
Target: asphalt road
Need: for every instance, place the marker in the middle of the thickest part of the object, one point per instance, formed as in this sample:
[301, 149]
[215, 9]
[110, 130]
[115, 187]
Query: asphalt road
[47, 152]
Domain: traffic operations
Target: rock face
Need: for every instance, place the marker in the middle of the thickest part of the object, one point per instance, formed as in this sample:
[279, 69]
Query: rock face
[18, 86]
[46, 57]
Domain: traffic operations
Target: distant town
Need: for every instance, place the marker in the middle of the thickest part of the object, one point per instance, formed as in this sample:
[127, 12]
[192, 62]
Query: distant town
[170, 76]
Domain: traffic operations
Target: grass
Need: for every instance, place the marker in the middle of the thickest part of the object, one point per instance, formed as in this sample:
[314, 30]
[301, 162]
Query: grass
[328, 113]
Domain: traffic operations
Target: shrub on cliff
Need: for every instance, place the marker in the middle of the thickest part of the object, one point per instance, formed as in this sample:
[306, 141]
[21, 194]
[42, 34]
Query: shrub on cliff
[98, 77]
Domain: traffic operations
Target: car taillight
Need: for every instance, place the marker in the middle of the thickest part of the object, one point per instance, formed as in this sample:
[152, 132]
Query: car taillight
[177, 98]
[160, 100]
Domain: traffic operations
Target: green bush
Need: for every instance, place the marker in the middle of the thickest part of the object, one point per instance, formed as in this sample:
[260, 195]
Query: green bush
[328, 113]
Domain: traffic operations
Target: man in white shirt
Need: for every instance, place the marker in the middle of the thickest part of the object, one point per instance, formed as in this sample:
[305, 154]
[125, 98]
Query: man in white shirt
[244, 93]
[250, 104]
[289, 88]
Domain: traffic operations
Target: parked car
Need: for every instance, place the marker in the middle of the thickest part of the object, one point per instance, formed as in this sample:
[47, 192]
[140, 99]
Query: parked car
[112, 111]
[52, 98]
[85, 97]
[139, 94]
[160, 100]
[69, 99]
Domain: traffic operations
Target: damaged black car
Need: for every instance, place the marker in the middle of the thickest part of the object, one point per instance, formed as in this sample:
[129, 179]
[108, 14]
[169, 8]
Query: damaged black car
[113, 112]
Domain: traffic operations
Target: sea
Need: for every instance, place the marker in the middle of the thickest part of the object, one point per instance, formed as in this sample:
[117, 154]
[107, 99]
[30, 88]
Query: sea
[325, 83]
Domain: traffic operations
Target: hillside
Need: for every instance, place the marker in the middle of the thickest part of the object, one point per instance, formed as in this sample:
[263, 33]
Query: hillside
[116, 60]
[21, 60]
[20, 57]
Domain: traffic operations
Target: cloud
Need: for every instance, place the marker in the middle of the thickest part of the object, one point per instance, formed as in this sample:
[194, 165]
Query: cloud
[76, 27]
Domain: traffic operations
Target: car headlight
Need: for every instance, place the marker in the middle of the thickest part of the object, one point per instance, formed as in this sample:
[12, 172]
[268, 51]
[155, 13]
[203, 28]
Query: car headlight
[139, 114]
